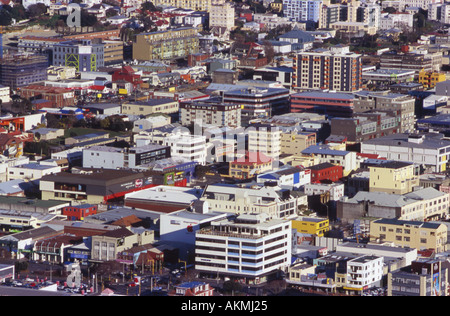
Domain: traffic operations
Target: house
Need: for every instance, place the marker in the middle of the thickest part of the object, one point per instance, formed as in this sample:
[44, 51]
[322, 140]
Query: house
[192, 289]
[250, 165]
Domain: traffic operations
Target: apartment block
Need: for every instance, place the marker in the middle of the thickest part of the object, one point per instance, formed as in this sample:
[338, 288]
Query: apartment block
[336, 69]
[429, 79]
[84, 55]
[293, 142]
[222, 15]
[311, 225]
[333, 104]
[250, 247]
[214, 113]
[302, 10]
[249, 165]
[168, 44]
[266, 139]
[259, 102]
[425, 277]
[17, 71]
[269, 200]
[410, 234]
[191, 147]
[366, 101]
[117, 158]
[429, 150]
[364, 126]
[364, 272]
[325, 154]
[420, 205]
[393, 177]
[406, 61]
[197, 5]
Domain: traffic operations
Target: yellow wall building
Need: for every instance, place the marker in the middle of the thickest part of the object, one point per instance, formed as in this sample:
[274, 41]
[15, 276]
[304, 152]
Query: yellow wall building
[410, 234]
[394, 177]
[169, 44]
[311, 225]
[429, 79]
[294, 142]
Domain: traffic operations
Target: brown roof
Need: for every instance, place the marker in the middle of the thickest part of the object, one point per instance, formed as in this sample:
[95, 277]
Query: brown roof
[118, 233]
[127, 221]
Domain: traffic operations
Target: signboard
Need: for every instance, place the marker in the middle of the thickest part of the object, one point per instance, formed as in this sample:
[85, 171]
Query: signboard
[436, 284]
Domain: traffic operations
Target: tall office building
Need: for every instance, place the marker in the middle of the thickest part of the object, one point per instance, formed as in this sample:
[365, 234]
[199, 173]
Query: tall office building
[302, 10]
[22, 69]
[336, 69]
[84, 55]
[250, 247]
[169, 44]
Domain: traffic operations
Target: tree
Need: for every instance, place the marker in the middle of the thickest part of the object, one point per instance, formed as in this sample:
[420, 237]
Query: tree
[36, 10]
[269, 51]
[5, 17]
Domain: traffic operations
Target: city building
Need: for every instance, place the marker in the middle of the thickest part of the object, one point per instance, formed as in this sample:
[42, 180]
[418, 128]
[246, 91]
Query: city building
[222, 15]
[163, 199]
[150, 106]
[84, 55]
[269, 200]
[420, 205]
[192, 289]
[364, 272]
[191, 147]
[286, 177]
[411, 234]
[429, 79]
[214, 113]
[406, 61]
[326, 172]
[259, 102]
[79, 212]
[94, 186]
[17, 71]
[247, 247]
[325, 154]
[384, 77]
[393, 177]
[425, 277]
[164, 45]
[427, 150]
[302, 10]
[293, 141]
[265, 139]
[107, 246]
[333, 104]
[366, 101]
[117, 158]
[336, 69]
[364, 126]
[311, 225]
[249, 165]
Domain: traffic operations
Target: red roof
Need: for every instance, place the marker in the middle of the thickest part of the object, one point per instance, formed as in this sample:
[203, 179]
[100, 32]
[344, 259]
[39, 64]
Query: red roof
[251, 158]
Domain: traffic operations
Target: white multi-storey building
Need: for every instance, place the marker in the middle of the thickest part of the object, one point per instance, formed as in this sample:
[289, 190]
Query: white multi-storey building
[302, 10]
[247, 246]
[222, 15]
[364, 272]
[272, 201]
[116, 158]
[191, 147]
[266, 139]
[402, 20]
[428, 150]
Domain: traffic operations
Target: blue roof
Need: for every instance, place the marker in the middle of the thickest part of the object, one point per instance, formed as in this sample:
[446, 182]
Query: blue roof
[317, 149]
